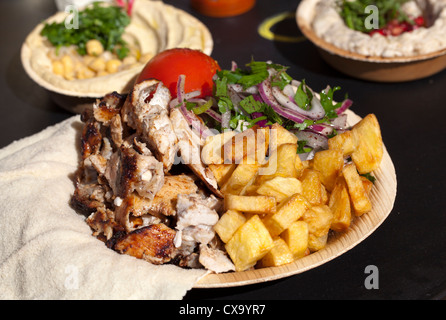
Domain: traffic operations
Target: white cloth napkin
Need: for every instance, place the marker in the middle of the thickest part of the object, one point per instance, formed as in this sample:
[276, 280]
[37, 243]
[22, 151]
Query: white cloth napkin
[46, 248]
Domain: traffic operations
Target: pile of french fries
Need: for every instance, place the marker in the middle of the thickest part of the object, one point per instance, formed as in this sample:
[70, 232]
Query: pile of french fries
[279, 208]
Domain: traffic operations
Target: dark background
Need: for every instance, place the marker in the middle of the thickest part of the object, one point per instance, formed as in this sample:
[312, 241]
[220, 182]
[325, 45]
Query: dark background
[409, 248]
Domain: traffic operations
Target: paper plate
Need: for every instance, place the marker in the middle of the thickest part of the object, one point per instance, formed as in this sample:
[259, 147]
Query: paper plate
[382, 196]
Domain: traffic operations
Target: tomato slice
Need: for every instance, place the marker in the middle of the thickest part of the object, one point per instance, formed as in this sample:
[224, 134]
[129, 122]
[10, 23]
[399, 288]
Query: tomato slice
[168, 65]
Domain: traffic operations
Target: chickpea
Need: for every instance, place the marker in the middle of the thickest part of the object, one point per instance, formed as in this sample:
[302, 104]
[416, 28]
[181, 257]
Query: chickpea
[94, 47]
[58, 68]
[97, 64]
[68, 67]
[85, 73]
[113, 65]
[129, 60]
[87, 59]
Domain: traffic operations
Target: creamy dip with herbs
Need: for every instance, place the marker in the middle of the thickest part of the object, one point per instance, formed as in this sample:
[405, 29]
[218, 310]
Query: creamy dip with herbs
[329, 25]
[154, 27]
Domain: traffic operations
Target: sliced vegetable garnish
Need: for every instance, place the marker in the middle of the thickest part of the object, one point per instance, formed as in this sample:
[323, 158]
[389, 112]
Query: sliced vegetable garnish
[264, 94]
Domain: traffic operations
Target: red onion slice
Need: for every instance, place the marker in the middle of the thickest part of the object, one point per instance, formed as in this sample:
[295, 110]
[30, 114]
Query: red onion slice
[268, 97]
[287, 100]
[313, 139]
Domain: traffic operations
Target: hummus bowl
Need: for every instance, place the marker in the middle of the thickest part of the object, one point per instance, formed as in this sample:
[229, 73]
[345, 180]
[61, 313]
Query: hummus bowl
[369, 67]
[154, 27]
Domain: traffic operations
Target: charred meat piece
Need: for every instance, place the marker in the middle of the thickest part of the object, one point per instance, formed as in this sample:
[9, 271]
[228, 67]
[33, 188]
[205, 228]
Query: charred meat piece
[129, 171]
[153, 243]
[146, 111]
[103, 223]
[108, 107]
[91, 138]
[88, 197]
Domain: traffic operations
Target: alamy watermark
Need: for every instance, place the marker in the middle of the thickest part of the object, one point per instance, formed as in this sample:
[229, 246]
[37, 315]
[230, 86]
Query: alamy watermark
[372, 280]
[372, 21]
[72, 20]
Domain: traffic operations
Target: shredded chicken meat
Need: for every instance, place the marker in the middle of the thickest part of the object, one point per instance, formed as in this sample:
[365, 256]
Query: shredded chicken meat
[126, 184]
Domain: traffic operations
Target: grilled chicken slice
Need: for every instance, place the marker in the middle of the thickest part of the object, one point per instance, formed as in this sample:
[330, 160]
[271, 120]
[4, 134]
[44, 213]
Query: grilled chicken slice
[102, 221]
[165, 201]
[153, 243]
[162, 206]
[129, 171]
[215, 260]
[189, 145]
[196, 216]
[146, 111]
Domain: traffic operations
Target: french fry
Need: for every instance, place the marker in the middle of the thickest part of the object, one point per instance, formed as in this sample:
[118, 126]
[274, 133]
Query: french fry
[358, 195]
[298, 165]
[319, 220]
[228, 224]
[242, 176]
[280, 188]
[281, 163]
[250, 243]
[279, 255]
[249, 146]
[343, 142]
[340, 206]
[252, 204]
[212, 152]
[368, 185]
[296, 237]
[312, 188]
[280, 135]
[288, 211]
[329, 163]
[222, 172]
[368, 152]
[317, 243]
[363, 143]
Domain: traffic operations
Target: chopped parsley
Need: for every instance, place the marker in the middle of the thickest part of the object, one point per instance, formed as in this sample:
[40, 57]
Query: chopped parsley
[250, 110]
[354, 13]
[104, 23]
[302, 147]
[303, 96]
[327, 102]
[369, 177]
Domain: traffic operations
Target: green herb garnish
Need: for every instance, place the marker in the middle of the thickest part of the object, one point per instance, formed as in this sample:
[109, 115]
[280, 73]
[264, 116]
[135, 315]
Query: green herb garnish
[303, 96]
[104, 23]
[369, 177]
[354, 13]
[326, 99]
[302, 147]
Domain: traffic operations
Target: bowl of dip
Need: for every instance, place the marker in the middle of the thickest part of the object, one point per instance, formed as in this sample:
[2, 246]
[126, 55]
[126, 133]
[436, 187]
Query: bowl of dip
[154, 27]
[409, 56]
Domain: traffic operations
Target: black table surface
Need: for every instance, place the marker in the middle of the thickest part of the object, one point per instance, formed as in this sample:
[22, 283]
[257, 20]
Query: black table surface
[408, 249]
